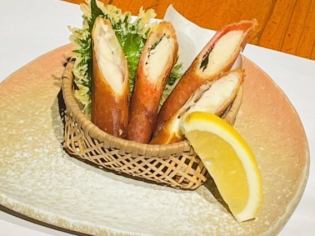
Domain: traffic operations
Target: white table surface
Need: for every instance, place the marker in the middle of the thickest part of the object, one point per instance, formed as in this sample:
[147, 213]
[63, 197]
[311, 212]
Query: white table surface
[29, 28]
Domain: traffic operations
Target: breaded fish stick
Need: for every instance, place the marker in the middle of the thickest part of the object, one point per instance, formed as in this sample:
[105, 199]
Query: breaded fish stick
[110, 88]
[213, 97]
[216, 58]
[156, 62]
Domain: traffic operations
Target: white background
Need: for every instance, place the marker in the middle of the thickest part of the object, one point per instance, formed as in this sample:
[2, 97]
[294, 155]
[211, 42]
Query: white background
[29, 28]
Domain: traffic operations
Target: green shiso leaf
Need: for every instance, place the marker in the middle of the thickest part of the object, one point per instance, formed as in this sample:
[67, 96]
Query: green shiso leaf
[132, 47]
[132, 43]
[175, 75]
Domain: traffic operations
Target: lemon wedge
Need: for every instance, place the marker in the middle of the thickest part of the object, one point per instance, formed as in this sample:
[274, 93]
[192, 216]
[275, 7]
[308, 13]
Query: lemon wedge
[229, 160]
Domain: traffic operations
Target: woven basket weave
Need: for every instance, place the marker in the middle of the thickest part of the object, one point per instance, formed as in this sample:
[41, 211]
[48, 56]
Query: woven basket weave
[175, 165]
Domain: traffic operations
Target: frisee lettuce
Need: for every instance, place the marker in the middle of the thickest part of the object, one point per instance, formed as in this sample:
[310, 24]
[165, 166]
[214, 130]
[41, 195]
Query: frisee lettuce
[131, 34]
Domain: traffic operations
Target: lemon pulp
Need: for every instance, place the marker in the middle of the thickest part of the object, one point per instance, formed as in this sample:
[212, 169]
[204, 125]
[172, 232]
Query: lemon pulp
[229, 160]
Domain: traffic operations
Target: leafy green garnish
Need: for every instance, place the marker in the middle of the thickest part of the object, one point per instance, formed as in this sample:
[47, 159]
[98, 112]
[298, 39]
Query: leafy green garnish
[175, 75]
[131, 34]
[131, 46]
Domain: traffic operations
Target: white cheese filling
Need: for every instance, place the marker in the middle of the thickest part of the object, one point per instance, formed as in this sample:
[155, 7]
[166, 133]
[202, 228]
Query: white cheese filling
[158, 58]
[221, 92]
[222, 51]
[109, 55]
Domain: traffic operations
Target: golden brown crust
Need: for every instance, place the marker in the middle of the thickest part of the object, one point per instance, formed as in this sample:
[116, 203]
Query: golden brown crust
[167, 134]
[109, 109]
[147, 94]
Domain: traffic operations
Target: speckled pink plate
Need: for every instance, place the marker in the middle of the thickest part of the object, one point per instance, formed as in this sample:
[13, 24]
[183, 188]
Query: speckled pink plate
[39, 180]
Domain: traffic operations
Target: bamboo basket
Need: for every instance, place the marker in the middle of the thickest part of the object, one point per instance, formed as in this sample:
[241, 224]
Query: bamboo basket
[175, 165]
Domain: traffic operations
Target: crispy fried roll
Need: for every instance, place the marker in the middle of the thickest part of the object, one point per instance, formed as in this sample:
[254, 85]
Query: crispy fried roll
[157, 59]
[213, 97]
[216, 58]
[110, 80]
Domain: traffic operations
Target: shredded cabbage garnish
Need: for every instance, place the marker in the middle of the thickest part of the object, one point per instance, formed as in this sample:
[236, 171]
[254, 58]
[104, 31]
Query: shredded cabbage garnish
[131, 34]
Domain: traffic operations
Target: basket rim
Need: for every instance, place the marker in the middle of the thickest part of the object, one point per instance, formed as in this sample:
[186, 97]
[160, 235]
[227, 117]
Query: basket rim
[93, 131]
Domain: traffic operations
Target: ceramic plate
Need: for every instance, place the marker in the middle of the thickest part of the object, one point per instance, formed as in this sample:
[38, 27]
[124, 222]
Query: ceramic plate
[40, 181]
